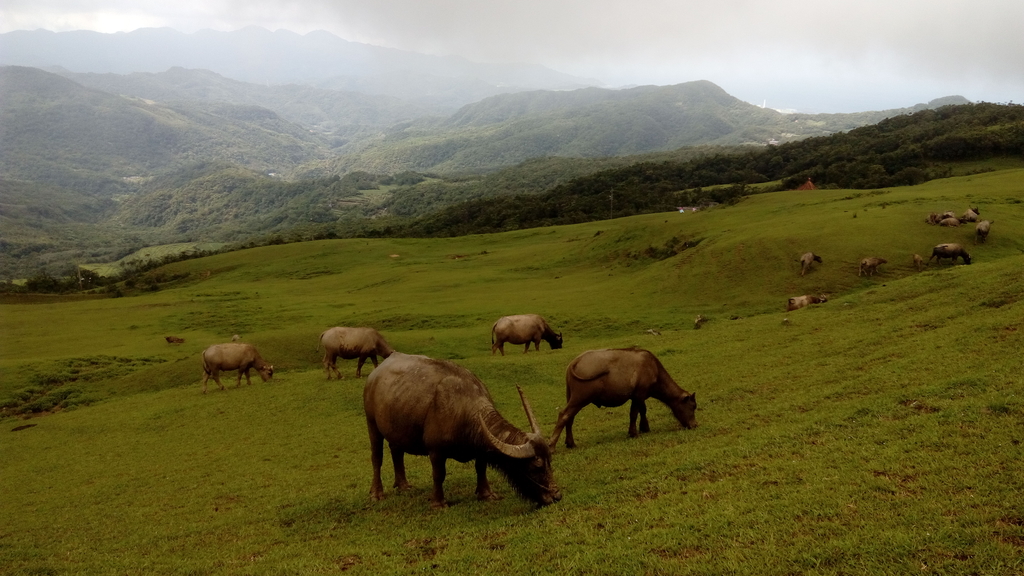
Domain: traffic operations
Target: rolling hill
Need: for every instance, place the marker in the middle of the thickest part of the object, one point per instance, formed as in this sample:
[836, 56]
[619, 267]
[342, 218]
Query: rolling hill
[875, 433]
[589, 123]
[281, 57]
[58, 132]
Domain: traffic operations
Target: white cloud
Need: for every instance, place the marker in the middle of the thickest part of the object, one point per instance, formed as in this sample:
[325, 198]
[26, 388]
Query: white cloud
[820, 55]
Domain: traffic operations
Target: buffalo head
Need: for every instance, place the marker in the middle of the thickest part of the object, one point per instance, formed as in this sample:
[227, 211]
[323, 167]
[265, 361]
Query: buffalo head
[527, 466]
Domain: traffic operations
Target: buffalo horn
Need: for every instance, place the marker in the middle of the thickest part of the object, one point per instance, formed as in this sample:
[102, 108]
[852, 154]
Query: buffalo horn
[529, 412]
[511, 450]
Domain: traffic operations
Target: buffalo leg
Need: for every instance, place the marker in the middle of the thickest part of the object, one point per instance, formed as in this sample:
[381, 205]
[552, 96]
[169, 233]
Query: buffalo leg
[565, 419]
[437, 464]
[329, 364]
[483, 488]
[216, 378]
[376, 457]
[398, 461]
[528, 347]
[499, 346]
[359, 367]
[641, 406]
[634, 410]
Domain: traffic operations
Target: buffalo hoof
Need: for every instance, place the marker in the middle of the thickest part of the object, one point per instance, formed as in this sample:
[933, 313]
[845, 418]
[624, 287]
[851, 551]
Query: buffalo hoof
[489, 496]
[438, 505]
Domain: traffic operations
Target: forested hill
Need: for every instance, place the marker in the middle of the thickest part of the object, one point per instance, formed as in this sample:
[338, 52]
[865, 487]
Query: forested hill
[57, 132]
[898, 151]
[590, 123]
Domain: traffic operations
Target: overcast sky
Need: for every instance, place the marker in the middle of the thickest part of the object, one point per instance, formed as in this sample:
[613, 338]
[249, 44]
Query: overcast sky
[810, 55]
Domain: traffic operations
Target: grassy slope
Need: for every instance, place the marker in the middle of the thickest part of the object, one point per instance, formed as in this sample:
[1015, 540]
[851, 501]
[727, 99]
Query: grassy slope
[877, 433]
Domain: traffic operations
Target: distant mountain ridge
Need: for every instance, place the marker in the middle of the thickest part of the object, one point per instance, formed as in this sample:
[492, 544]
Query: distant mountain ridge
[260, 56]
[593, 122]
[56, 131]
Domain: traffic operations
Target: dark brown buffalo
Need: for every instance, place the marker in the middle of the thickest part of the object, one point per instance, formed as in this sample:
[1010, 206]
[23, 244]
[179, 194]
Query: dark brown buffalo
[438, 409]
[869, 265]
[614, 376]
[174, 340]
[523, 329]
[234, 356]
[981, 231]
[951, 251]
[806, 260]
[350, 343]
[798, 302]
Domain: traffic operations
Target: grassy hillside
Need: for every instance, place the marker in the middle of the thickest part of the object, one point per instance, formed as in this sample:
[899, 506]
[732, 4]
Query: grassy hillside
[876, 433]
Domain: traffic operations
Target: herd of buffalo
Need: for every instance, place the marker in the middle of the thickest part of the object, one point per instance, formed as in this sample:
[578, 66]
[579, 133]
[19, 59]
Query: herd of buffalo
[436, 408]
[868, 266]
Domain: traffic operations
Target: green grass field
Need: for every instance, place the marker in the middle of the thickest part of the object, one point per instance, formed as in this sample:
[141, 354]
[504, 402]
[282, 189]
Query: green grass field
[878, 433]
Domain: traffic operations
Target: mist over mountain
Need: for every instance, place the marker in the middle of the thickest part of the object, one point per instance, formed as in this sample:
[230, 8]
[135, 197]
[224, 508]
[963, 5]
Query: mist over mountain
[260, 56]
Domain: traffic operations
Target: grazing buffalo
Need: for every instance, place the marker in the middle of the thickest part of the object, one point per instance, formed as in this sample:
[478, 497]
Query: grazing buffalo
[350, 343]
[869, 265]
[613, 377]
[950, 222]
[234, 356]
[918, 262]
[438, 409]
[523, 329]
[798, 302]
[970, 216]
[981, 231]
[174, 340]
[951, 251]
[806, 260]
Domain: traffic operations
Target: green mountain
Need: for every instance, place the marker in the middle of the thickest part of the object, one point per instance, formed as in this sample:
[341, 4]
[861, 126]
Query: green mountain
[346, 117]
[590, 123]
[59, 132]
[89, 176]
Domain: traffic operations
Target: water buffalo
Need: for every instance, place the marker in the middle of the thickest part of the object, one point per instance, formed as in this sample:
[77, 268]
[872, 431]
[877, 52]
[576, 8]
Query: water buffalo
[613, 377]
[523, 329]
[981, 231]
[350, 343]
[806, 260]
[951, 251]
[970, 216]
[234, 356]
[441, 410]
[950, 222]
[174, 340]
[933, 218]
[869, 265]
[798, 302]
